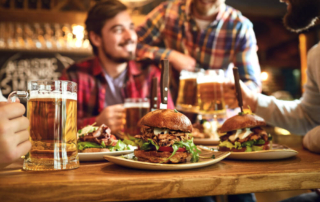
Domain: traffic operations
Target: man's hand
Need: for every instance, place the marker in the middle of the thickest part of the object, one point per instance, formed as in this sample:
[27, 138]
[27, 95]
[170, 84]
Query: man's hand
[181, 61]
[249, 98]
[14, 136]
[113, 116]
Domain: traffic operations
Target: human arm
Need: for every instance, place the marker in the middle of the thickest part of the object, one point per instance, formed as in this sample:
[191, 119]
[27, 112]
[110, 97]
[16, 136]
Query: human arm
[298, 116]
[151, 32]
[246, 58]
[14, 136]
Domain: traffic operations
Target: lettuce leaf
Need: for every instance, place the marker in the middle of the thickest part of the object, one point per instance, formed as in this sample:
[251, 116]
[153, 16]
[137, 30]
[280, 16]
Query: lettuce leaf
[120, 146]
[85, 145]
[188, 145]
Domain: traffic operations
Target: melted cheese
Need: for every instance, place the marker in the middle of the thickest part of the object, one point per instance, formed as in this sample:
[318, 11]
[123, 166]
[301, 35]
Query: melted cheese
[245, 133]
[241, 134]
[157, 131]
[235, 136]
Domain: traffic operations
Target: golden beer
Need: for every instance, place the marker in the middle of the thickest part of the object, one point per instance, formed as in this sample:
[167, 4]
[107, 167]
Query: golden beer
[53, 133]
[134, 114]
[136, 108]
[187, 96]
[210, 93]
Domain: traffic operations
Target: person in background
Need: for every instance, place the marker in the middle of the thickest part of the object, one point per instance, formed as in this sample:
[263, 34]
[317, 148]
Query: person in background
[300, 116]
[205, 33]
[14, 134]
[112, 75]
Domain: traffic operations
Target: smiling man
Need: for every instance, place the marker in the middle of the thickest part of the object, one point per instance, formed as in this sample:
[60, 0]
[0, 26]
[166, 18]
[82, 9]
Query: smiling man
[206, 33]
[112, 75]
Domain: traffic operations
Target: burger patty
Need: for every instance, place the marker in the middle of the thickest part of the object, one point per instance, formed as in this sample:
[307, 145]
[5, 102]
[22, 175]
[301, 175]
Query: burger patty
[163, 140]
[257, 133]
[160, 157]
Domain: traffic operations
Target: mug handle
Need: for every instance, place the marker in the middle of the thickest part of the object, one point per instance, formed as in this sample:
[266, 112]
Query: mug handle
[17, 94]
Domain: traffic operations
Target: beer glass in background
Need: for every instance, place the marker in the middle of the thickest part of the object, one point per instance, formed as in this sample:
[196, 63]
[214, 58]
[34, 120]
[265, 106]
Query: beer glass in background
[187, 95]
[210, 92]
[52, 112]
[136, 108]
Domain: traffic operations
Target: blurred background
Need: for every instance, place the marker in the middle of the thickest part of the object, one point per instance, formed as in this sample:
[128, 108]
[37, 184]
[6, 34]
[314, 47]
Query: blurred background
[39, 38]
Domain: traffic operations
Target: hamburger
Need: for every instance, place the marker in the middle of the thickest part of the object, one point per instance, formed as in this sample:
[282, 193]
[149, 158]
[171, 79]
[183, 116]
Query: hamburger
[98, 139]
[165, 138]
[243, 133]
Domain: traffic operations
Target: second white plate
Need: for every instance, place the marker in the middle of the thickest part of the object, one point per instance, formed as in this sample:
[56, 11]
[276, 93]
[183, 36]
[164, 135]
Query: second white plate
[129, 162]
[98, 156]
[277, 152]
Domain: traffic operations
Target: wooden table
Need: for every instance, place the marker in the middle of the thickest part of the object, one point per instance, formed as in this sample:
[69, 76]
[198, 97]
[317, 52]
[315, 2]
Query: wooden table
[109, 182]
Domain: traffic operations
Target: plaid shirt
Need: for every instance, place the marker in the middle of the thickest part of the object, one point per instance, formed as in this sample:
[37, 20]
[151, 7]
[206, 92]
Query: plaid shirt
[92, 85]
[228, 41]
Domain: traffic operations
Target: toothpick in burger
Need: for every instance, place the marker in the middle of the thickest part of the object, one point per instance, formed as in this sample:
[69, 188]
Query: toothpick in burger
[165, 138]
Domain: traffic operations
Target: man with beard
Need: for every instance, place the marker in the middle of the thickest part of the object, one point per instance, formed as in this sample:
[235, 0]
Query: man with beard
[112, 75]
[204, 33]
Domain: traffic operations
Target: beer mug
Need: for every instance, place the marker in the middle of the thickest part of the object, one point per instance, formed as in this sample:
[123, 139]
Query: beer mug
[210, 93]
[187, 95]
[52, 112]
[136, 108]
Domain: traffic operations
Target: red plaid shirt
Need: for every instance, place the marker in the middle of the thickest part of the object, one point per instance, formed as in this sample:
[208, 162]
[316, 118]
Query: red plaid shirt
[92, 85]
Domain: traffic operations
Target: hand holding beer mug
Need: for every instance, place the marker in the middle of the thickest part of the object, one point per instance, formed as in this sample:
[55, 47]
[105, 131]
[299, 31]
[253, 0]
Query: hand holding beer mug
[136, 108]
[113, 116]
[210, 93]
[52, 113]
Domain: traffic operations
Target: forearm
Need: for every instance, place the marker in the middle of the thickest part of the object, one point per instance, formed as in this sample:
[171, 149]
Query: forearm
[145, 51]
[285, 114]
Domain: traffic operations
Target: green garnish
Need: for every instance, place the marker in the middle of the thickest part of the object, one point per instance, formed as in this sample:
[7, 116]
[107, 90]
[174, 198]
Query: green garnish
[176, 111]
[189, 146]
[213, 156]
[79, 131]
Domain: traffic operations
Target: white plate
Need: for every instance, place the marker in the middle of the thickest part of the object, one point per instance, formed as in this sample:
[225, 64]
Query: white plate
[206, 141]
[157, 166]
[277, 152]
[98, 156]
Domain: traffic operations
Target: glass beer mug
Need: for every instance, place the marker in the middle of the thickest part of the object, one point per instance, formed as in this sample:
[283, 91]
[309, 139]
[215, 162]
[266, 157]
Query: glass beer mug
[210, 93]
[136, 108]
[52, 113]
[187, 95]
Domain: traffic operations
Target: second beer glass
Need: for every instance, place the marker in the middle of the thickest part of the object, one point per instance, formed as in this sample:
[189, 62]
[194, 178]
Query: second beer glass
[210, 93]
[136, 108]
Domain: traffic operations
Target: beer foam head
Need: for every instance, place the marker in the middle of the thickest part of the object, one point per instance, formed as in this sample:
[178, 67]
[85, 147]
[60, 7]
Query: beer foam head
[137, 105]
[53, 94]
[211, 76]
[188, 75]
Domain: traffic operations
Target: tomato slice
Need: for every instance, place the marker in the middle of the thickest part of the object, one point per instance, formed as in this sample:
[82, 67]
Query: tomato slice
[170, 149]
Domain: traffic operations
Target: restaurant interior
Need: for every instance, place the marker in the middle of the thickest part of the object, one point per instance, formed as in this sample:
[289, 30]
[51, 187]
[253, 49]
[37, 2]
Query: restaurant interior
[33, 48]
